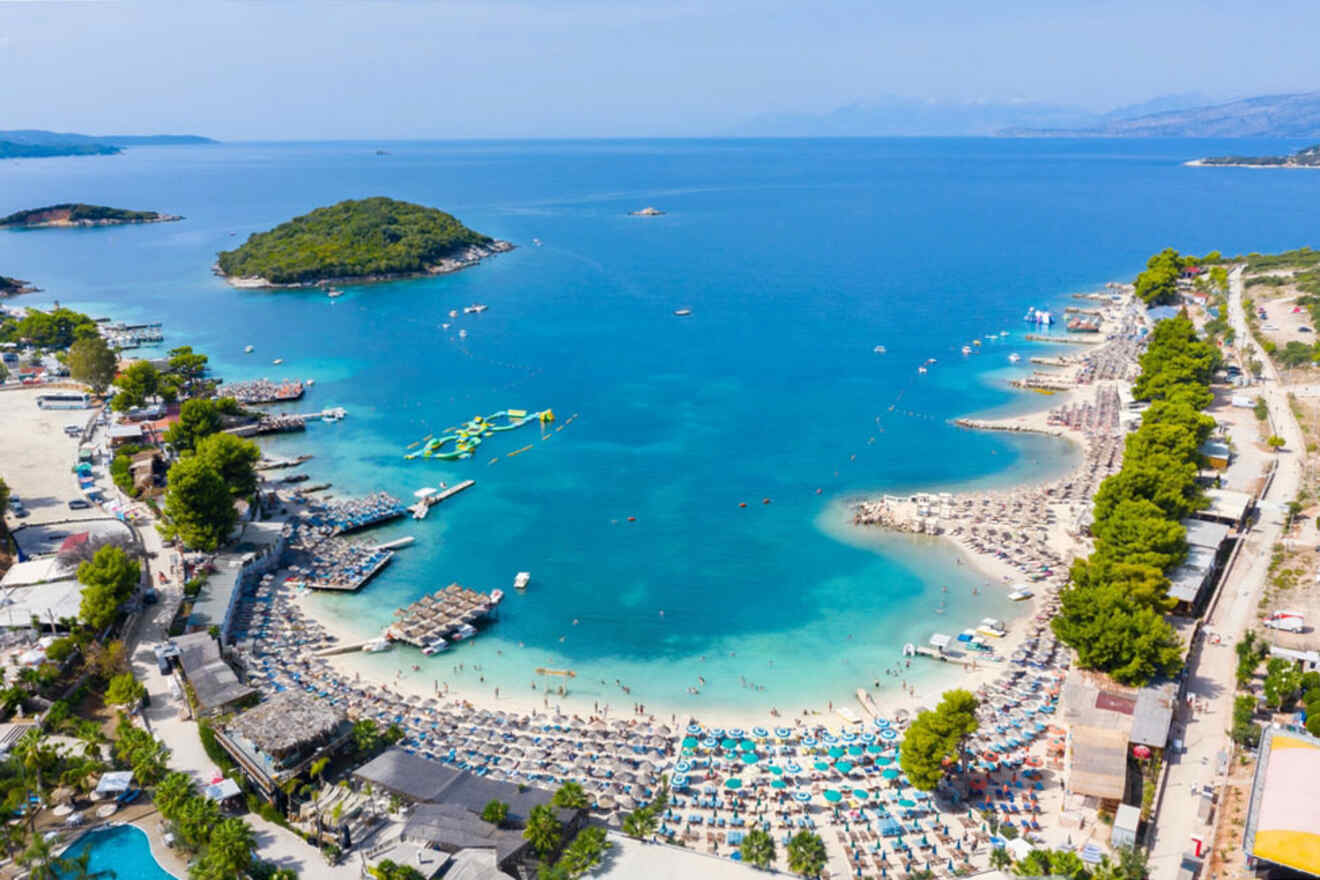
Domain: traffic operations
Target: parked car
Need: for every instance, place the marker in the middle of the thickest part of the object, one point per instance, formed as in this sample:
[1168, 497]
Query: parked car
[79, 504]
[1303, 329]
[20, 511]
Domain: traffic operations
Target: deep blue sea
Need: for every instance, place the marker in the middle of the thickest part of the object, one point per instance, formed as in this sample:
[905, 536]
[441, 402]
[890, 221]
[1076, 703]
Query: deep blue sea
[796, 257]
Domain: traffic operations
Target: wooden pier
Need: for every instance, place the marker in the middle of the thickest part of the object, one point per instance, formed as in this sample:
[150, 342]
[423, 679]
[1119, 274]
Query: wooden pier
[1064, 340]
[440, 615]
[424, 505]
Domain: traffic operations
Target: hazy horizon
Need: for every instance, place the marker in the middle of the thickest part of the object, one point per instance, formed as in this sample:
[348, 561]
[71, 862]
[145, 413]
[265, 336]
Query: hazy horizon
[414, 70]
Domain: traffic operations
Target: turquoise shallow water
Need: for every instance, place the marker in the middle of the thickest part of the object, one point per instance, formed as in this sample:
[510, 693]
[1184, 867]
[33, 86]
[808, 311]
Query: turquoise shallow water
[796, 257]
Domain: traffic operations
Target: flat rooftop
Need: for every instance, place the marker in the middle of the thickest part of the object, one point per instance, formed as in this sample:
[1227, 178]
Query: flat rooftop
[50, 602]
[1283, 818]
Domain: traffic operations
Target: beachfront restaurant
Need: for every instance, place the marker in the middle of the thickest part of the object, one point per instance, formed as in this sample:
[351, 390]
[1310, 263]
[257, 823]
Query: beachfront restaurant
[1283, 815]
[1105, 722]
[278, 739]
[215, 686]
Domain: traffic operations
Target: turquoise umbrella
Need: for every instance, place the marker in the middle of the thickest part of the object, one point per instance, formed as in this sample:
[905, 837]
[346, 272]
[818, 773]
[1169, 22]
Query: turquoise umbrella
[779, 783]
[855, 750]
[835, 752]
[891, 773]
[749, 757]
[775, 769]
[729, 744]
[748, 745]
[733, 782]
[885, 761]
[832, 796]
[861, 793]
[689, 742]
[875, 750]
[844, 766]
[821, 765]
[904, 802]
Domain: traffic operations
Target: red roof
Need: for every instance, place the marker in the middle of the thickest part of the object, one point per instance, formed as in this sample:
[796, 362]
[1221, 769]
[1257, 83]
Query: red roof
[73, 541]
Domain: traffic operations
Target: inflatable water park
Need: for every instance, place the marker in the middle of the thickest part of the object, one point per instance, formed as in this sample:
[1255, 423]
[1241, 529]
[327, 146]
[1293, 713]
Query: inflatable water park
[457, 443]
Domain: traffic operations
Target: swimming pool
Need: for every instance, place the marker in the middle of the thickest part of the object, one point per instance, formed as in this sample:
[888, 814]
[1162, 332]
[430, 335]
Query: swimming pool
[124, 850]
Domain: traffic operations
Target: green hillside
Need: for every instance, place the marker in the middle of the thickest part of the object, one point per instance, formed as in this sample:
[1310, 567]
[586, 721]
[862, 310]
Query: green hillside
[352, 239]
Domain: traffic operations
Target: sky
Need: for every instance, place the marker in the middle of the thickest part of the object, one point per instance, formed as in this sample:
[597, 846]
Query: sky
[398, 69]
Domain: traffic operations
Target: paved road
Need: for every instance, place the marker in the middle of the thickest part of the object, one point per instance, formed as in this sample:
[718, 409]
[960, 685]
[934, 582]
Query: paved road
[1212, 667]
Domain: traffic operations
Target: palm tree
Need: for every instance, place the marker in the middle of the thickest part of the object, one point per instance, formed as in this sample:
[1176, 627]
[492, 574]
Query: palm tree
[571, 796]
[229, 852]
[999, 858]
[39, 858]
[806, 854]
[758, 849]
[34, 755]
[172, 792]
[640, 824]
[543, 830]
[91, 737]
[12, 837]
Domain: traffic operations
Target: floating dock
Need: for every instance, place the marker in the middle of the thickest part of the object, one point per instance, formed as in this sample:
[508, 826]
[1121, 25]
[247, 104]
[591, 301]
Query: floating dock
[426, 502]
[440, 615]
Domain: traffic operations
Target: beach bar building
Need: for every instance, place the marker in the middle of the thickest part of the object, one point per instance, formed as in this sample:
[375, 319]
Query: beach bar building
[1227, 506]
[213, 682]
[1283, 817]
[278, 739]
[1104, 721]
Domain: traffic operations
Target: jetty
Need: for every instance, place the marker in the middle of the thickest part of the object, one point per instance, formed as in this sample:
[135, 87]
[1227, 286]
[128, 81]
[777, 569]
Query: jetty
[433, 497]
[270, 464]
[451, 613]
[1065, 340]
[284, 423]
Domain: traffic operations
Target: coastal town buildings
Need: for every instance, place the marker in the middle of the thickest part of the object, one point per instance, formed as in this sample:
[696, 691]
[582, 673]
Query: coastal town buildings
[279, 738]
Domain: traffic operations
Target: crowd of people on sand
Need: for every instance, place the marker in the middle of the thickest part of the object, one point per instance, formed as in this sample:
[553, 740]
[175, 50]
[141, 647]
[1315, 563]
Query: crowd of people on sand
[264, 391]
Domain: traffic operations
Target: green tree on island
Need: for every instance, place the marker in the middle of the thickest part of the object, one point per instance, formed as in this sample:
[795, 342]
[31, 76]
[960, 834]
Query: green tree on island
[495, 812]
[935, 738]
[92, 361]
[543, 830]
[571, 796]
[234, 459]
[758, 849]
[124, 690]
[108, 579]
[806, 854]
[138, 383]
[585, 853]
[198, 504]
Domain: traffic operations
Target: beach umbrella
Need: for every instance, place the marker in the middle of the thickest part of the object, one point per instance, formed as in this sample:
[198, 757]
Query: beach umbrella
[733, 782]
[694, 729]
[760, 732]
[829, 738]
[881, 723]
[779, 783]
[904, 802]
[844, 766]
[821, 766]
[835, 752]
[783, 733]
[855, 750]
[877, 750]
[861, 793]
[709, 743]
[748, 745]
[891, 773]
[775, 769]
[832, 796]
[689, 742]
[793, 768]
[728, 744]
[749, 758]
[801, 796]
[682, 767]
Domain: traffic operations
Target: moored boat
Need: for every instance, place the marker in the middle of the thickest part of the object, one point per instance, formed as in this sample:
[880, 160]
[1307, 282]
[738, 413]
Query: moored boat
[377, 645]
[521, 579]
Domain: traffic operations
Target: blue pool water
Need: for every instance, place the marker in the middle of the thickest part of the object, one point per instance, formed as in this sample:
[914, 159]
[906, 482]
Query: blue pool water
[796, 257]
[124, 850]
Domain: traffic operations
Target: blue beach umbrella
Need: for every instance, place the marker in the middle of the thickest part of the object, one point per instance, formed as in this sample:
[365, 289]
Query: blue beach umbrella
[855, 750]
[748, 745]
[861, 793]
[733, 782]
[875, 749]
[801, 796]
[783, 733]
[709, 743]
[832, 796]
[760, 732]
[775, 769]
[682, 767]
[868, 737]
[735, 732]
[689, 742]
[848, 736]
[844, 766]
[779, 783]
[808, 740]
[830, 738]
[881, 723]
[694, 729]
[888, 733]
[884, 760]
[891, 773]
[728, 744]
[821, 766]
[748, 757]
[835, 752]
[793, 768]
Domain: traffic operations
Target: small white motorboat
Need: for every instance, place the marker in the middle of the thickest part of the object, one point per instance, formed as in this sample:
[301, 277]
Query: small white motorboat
[435, 647]
[496, 596]
[521, 580]
[277, 361]
[879, 349]
[1014, 358]
[247, 349]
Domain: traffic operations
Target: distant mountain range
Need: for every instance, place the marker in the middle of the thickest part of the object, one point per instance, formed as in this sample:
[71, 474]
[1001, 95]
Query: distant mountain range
[1292, 115]
[34, 143]
[1181, 115]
